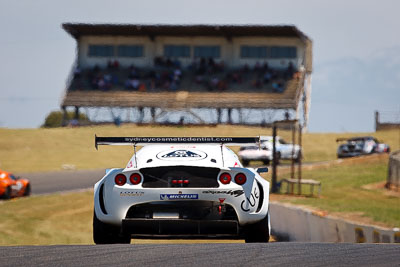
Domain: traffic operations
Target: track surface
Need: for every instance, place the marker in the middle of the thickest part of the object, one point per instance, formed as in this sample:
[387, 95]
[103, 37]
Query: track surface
[272, 254]
[51, 182]
[58, 181]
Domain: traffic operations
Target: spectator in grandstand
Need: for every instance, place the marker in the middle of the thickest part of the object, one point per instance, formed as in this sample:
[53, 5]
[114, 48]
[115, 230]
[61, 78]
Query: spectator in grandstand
[177, 74]
[113, 64]
[213, 83]
[132, 84]
[173, 86]
[135, 84]
[222, 85]
[169, 62]
[237, 77]
[133, 73]
[267, 77]
[257, 67]
[265, 66]
[199, 79]
[277, 87]
[109, 64]
[177, 63]
[158, 61]
[101, 84]
[96, 68]
[257, 83]
[142, 87]
[245, 68]
[108, 79]
[116, 64]
[77, 72]
[289, 71]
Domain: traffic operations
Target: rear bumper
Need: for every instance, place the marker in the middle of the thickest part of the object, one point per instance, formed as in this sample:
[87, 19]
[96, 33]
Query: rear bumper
[180, 228]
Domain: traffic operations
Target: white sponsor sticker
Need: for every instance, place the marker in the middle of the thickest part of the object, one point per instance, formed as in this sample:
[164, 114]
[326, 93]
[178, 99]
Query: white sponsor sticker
[182, 154]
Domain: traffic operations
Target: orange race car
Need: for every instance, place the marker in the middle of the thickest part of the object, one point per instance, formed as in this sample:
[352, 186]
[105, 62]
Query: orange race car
[12, 186]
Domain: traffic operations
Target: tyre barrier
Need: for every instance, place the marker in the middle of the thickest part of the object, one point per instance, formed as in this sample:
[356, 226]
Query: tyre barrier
[293, 223]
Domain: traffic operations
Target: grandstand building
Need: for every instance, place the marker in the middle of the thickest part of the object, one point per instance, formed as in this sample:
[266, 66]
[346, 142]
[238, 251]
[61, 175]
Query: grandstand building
[204, 74]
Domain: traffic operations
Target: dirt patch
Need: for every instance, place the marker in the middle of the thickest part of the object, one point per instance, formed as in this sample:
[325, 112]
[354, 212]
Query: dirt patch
[381, 188]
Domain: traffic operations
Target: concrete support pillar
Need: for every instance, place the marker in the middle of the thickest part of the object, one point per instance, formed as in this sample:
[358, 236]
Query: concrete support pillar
[76, 116]
[64, 120]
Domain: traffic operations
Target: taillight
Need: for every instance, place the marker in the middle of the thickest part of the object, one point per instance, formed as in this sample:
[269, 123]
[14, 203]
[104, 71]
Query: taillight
[120, 179]
[135, 178]
[225, 178]
[240, 178]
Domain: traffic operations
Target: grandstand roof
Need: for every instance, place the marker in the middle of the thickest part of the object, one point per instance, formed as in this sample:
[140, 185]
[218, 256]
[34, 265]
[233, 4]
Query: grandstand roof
[79, 29]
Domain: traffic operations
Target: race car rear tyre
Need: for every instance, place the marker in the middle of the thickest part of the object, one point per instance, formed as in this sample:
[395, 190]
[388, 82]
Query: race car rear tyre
[27, 190]
[245, 162]
[107, 234]
[257, 232]
[266, 162]
[7, 193]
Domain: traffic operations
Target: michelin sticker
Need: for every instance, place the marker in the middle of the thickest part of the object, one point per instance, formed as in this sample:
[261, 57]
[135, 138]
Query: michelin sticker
[178, 196]
[182, 154]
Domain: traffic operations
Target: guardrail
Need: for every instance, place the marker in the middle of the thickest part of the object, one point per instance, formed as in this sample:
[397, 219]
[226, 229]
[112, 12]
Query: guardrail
[293, 223]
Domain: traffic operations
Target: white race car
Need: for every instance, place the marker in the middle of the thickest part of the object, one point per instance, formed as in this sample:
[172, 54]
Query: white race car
[181, 187]
[253, 153]
[264, 151]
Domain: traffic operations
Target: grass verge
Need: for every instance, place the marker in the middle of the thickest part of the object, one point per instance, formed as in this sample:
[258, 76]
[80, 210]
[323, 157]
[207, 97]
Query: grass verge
[47, 220]
[353, 191]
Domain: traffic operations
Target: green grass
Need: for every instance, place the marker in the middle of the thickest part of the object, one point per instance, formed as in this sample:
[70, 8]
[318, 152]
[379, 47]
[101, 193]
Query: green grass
[34, 150]
[46, 220]
[343, 192]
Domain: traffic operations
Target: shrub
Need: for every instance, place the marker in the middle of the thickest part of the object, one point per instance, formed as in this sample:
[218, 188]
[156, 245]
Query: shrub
[54, 119]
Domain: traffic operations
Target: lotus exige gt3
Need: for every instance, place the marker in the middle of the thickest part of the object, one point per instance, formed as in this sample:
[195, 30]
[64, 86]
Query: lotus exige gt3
[182, 187]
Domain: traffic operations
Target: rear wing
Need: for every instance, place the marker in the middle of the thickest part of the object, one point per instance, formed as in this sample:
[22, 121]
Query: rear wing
[142, 141]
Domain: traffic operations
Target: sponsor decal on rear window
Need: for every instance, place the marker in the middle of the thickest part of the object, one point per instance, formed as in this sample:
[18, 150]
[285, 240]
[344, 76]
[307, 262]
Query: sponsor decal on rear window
[182, 154]
[178, 196]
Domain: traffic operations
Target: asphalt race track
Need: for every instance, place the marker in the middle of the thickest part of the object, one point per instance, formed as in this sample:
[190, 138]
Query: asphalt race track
[272, 254]
[51, 182]
[58, 181]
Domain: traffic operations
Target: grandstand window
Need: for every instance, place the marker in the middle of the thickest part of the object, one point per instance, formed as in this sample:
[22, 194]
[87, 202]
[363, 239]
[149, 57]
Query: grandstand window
[101, 50]
[176, 51]
[283, 52]
[207, 51]
[130, 50]
[247, 51]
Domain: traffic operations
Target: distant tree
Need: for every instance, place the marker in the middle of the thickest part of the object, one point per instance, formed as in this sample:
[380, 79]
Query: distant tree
[54, 119]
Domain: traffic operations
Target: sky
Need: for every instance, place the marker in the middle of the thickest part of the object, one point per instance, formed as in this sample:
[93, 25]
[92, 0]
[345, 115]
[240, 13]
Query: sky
[356, 52]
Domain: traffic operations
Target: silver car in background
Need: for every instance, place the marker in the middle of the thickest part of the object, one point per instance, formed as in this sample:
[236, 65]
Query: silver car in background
[285, 151]
[358, 146]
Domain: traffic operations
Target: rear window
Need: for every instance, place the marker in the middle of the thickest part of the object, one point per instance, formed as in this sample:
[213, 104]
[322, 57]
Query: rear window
[161, 177]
